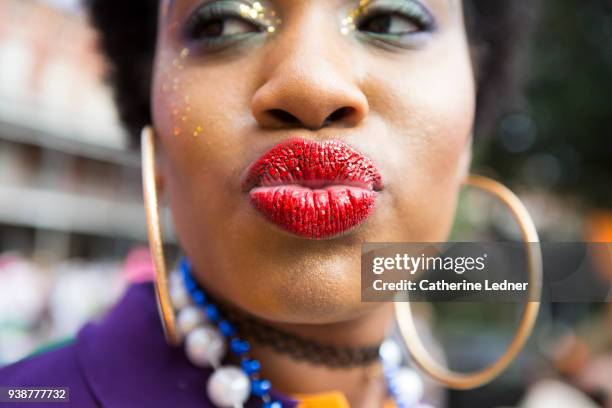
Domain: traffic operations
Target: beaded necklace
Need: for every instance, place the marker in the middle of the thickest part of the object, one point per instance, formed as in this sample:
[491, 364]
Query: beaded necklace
[206, 333]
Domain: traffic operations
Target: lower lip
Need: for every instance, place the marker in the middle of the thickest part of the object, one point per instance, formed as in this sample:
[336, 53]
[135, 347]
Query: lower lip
[314, 213]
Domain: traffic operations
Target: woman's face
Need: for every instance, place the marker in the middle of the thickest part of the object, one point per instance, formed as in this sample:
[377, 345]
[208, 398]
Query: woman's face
[387, 81]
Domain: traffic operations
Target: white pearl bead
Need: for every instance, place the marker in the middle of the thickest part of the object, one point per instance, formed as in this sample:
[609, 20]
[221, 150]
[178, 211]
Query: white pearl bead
[189, 318]
[228, 387]
[175, 279]
[409, 385]
[179, 296]
[205, 346]
[391, 353]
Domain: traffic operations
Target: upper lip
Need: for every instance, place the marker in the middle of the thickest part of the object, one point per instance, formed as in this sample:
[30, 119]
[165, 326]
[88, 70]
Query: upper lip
[313, 164]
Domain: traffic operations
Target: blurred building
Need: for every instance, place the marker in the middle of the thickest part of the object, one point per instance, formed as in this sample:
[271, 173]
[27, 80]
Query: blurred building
[64, 166]
[70, 191]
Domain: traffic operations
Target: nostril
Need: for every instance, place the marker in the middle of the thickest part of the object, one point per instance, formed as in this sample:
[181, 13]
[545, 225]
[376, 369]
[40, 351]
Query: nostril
[283, 116]
[339, 114]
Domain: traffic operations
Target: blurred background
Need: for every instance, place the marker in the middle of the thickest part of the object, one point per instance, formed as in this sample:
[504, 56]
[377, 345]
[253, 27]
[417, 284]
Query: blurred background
[71, 201]
[70, 194]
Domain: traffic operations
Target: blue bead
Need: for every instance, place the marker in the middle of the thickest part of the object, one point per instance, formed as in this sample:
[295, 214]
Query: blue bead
[191, 285]
[185, 270]
[212, 313]
[250, 366]
[239, 346]
[226, 328]
[198, 297]
[272, 404]
[260, 387]
[185, 265]
[184, 274]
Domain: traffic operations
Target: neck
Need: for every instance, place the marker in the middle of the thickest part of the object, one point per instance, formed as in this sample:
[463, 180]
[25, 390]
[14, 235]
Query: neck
[362, 385]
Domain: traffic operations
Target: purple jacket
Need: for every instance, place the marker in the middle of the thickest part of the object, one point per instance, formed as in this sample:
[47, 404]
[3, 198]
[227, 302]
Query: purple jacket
[120, 361]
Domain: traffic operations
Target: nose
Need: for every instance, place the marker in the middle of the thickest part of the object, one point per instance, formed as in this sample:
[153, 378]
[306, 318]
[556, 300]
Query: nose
[309, 82]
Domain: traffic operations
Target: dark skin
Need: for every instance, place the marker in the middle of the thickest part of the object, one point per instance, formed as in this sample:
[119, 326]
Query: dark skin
[409, 106]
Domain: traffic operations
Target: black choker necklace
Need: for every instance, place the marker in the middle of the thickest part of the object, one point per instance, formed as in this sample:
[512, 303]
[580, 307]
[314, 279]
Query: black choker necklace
[297, 347]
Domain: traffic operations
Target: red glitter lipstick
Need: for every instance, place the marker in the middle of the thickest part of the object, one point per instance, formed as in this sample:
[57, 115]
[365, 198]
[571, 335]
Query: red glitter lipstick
[313, 189]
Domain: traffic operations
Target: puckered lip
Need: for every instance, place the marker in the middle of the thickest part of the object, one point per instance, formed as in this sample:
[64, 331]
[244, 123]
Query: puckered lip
[312, 164]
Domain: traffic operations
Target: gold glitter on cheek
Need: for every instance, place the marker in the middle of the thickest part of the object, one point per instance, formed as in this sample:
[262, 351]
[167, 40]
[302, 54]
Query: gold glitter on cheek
[177, 94]
[197, 131]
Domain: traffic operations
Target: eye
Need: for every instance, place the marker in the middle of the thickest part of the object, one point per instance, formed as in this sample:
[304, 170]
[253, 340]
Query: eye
[390, 24]
[395, 24]
[218, 25]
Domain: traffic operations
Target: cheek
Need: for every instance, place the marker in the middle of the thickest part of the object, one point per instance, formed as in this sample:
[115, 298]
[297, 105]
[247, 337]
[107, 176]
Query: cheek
[192, 105]
[198, 116]
[427, 109]
[194, 157]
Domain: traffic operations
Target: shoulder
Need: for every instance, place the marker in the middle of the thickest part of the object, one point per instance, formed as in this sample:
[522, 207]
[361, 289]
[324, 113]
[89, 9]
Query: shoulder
[121, 360]
[95, 361]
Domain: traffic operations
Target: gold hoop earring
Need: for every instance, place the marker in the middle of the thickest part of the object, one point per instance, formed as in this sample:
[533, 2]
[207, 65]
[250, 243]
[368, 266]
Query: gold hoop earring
[405, 321]
[154, 233]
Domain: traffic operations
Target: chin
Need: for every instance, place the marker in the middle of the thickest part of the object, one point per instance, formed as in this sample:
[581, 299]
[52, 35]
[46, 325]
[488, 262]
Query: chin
[314, 305]
[308, 289]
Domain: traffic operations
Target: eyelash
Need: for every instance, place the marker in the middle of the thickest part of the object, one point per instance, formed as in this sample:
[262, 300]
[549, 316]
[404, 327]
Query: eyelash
[411, 11]
[228, 10]
[222, 11]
